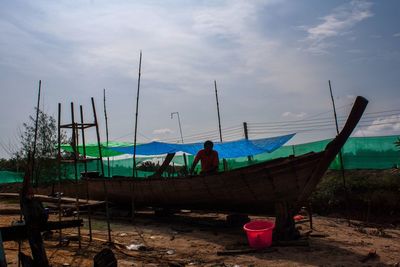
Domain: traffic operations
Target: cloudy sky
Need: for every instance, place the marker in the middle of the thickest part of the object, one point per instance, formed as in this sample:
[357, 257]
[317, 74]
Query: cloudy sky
[272, 61]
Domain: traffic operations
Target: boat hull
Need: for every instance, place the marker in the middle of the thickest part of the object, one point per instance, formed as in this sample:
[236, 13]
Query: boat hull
[253, 188]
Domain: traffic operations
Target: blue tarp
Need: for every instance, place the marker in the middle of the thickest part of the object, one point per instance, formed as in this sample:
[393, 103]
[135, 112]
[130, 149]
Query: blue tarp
[233, 149]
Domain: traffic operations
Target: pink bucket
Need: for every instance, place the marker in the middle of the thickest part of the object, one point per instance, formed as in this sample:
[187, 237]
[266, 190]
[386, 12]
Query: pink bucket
[259, 233]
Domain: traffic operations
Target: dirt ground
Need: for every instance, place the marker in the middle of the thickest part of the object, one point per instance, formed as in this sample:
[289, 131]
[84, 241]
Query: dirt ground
[194, 238]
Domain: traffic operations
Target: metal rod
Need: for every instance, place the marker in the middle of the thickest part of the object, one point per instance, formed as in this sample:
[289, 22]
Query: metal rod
[36, 132]
[219, 117]
[59, 167]
[340, 155]
[136, 116]
[87, 182]
[102, 172]
[106, 119]
[76, 155]
[179, 122]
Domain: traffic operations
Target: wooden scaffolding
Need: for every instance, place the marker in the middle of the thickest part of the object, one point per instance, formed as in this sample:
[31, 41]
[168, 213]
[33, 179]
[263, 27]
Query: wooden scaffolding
[79, 156]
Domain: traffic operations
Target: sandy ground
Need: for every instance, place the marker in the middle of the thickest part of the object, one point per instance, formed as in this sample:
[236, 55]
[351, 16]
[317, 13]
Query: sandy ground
[193, 239]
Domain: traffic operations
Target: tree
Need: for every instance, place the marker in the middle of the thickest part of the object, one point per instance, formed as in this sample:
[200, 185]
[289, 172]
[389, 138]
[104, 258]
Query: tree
[46, 145]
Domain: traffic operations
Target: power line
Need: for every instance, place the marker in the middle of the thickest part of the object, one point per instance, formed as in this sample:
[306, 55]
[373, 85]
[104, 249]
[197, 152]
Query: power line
[320, 122]
[343, 117]
[304, 125]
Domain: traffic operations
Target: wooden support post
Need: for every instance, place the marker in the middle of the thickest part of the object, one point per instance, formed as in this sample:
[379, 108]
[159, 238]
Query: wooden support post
[102, 172]
[87, 182]
[309, 212]
[285, 228]
[133, 201]
[34, 216]
[3, 261]
[76, 155]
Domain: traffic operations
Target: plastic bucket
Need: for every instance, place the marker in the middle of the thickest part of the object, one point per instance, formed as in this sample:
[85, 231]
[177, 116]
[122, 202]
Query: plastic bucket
[259, 233]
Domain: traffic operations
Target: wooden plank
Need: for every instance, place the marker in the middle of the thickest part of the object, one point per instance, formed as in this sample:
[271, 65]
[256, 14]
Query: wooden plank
[44, 198]
[20, 232]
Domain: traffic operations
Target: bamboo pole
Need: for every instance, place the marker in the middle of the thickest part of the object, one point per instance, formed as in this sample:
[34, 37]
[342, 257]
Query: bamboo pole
[36, 133]
[136, 116]
[219, 123]
[246, 136]
[59, 167]
[340, 155]
[134, 170]
[106, 119]
[219, 117]
[87, 182]
[102, 172]
[33, 158]
[76, 155]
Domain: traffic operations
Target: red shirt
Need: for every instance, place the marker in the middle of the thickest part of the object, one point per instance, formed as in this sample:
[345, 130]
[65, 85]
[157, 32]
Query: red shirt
[209, 162]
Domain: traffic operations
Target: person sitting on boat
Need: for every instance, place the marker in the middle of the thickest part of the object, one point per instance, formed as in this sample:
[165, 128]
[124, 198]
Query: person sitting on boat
[209, 159]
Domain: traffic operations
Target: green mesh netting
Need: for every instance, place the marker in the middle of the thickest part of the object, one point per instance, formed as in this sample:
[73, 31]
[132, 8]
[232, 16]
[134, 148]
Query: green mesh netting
[358, 153]
[92, 149]
[10, 177]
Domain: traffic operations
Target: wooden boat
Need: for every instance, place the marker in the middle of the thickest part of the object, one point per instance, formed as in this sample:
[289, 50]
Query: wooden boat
[286, 182]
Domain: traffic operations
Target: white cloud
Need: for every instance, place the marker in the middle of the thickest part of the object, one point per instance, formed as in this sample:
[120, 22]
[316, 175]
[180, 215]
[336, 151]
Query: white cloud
[381, 126]
[397, 34]
[289, 114]
[339, 22]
